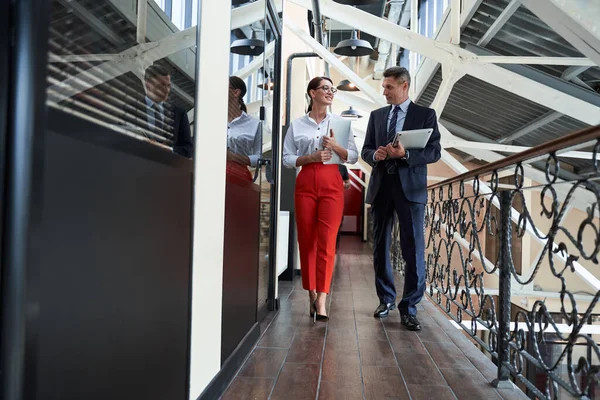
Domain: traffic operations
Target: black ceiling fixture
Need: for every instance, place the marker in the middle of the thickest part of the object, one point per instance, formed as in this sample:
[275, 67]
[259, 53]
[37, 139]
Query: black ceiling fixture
[248, 47]
[347, 86]
[350, 113]
[353, 47]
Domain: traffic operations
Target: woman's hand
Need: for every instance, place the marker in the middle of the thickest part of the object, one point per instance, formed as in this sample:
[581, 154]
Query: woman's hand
[237, 158]
[329, 141]
[321, 156]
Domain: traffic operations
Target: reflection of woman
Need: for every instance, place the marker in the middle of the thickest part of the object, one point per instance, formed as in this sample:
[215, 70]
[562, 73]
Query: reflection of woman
[319, 195]
[244, 142]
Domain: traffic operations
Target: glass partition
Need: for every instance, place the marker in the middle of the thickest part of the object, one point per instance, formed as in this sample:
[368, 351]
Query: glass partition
[126, 65]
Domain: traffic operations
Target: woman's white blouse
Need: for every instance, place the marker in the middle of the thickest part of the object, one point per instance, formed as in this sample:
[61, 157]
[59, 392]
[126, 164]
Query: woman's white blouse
[244, 137]
[305, 136]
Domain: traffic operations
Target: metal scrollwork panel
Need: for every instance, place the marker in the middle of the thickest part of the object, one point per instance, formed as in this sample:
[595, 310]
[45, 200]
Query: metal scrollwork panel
[559, 221]
[455, 223]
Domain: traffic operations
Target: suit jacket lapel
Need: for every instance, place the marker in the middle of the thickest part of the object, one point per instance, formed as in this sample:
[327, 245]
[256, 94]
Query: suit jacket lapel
[410, 116]
[383, 127]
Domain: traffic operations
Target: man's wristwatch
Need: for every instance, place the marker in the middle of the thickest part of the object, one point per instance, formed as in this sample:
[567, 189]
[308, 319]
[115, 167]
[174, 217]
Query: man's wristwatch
[406, 155]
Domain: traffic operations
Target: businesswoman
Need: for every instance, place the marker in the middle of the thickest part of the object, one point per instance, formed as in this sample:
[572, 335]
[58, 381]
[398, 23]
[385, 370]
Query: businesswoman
[319, 196]
[244, 139]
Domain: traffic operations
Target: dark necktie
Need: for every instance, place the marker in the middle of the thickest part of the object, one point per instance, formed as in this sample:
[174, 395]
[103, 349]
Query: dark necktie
[391, 134]
[157, 118]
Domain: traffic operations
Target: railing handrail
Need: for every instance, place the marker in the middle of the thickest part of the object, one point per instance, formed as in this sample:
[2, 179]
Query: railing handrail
[578, 137]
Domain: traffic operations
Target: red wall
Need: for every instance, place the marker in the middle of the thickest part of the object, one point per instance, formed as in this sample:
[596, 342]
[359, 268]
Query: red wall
[353, 204]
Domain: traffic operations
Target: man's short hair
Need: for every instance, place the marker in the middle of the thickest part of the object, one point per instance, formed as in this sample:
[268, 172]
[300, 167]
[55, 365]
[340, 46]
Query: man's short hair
[398, 73]
[154, 71]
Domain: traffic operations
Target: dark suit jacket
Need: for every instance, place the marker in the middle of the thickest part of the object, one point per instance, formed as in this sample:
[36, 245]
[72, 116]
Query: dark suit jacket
[182, 141]
[412, 172]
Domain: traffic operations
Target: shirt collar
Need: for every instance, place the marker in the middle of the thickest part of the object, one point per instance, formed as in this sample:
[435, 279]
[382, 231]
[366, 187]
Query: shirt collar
[309, 118]
[403, 106]
[150, 103]
[242, 116]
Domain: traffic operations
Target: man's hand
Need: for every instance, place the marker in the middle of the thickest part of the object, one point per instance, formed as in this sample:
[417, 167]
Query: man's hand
[347, 185]
[329, 141]
[395, 151]
[381, 153]
[321, 156]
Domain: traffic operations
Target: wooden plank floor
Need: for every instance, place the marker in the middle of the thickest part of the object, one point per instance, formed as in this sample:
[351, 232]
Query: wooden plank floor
[356, 356]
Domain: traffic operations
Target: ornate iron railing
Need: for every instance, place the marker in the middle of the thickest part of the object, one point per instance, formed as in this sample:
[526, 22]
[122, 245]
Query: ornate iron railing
[508, 258]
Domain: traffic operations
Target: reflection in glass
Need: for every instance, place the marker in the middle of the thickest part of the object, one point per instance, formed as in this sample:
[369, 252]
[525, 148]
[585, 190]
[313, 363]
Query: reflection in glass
[244, 139]
[165, 117]
[133, 76]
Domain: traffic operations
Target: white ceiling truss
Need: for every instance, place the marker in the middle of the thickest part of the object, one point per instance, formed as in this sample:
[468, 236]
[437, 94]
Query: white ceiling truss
[457, 62]
[138, 58]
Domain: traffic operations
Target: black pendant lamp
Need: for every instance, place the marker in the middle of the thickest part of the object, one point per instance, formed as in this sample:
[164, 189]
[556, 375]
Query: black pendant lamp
[267, 85]
[347, 86]
[351, 113]
[353, 47]
[248, 47]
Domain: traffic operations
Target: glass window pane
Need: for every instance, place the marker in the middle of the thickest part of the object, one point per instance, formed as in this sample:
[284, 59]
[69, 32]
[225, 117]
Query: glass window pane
[97, 70]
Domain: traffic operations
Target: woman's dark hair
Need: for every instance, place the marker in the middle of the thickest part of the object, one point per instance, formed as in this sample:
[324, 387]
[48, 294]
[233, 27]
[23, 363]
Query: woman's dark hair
[313, 85]
[238, 83]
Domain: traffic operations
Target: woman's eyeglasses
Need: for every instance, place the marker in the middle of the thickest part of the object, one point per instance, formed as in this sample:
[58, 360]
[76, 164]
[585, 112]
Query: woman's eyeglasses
[328, 89]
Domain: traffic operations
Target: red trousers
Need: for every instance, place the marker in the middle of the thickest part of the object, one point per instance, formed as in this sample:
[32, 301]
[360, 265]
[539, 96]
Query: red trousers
[319, 201]
[239, 170]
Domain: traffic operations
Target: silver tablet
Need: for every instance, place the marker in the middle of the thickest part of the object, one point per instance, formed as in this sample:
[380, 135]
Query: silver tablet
[414, 139]
[342, 132]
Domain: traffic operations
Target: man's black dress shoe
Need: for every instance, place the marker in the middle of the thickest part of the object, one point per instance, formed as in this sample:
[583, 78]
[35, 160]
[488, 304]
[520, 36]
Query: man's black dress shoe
[410, 322]
[383, 310]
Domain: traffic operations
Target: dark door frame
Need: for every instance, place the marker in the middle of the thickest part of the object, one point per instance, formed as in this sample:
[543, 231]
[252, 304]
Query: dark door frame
[27, 26]
[276, 29]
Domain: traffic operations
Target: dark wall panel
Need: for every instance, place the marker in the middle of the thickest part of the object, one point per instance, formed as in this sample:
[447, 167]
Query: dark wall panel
[240, 262]
[114, 249]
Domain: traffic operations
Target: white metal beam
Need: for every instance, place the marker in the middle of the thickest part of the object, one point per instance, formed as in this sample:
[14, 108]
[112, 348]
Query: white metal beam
[246, 15]
[455, 56]
[545, 119]
[385, 48]
[352, 174]
[572, 72]
[499, 23]
[484, 189]
[55, 58]
[135, 59]
[582, 201]
[142, 19]
[91, 20]
[414, 28]
[462, 144]
[571, 61]
[450, 77]
[332, 60]
[256, 64]
[455, 22]
[575, 20]
[358, 102]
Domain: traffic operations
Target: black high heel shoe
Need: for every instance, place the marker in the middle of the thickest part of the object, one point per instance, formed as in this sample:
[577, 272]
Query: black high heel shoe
[313, 309]
[318, 317]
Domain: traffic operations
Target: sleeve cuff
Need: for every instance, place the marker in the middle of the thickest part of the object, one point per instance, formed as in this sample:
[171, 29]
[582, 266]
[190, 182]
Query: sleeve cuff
[253, 160]
[290, 161]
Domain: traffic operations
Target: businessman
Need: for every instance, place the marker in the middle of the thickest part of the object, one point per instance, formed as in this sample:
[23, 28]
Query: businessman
[399, 183]
[164, 119]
